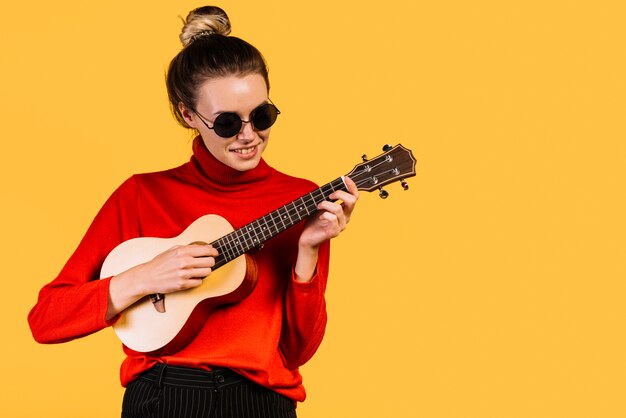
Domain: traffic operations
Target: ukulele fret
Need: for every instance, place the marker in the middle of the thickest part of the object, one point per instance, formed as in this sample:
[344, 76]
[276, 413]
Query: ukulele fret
[272, 218]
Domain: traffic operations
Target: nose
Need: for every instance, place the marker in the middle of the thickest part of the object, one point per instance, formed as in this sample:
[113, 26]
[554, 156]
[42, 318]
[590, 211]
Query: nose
[247, 131]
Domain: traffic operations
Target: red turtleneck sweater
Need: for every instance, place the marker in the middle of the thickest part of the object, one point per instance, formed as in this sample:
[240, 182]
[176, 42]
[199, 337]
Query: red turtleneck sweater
[265, 337]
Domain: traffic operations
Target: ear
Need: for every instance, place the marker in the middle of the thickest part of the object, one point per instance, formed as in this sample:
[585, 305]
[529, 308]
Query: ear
[187, 115]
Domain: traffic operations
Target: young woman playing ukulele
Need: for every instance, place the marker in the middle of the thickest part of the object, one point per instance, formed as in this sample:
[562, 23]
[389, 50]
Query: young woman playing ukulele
[244, 359]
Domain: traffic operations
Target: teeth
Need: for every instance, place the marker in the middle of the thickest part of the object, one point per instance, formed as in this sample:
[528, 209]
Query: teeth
[244, 150]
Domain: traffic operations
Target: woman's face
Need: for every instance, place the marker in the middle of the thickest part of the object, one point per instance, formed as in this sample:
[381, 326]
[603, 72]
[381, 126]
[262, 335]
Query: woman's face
[236, 94]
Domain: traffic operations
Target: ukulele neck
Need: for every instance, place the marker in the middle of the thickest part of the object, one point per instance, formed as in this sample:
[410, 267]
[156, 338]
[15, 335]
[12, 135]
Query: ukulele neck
[254, 234]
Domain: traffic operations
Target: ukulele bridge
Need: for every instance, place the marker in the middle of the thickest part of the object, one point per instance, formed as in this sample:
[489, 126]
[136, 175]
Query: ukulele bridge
[158, 300]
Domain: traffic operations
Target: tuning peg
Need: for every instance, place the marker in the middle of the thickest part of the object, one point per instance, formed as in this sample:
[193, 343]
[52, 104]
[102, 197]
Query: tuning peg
[387, 147]
[364, 157]
[404, 184]
[383, 193]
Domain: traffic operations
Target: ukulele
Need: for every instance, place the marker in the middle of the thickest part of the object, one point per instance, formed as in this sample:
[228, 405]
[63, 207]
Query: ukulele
[160, 324]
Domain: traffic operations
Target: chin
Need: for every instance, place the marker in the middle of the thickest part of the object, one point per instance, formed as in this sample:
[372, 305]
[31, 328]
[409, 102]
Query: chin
[244, 165]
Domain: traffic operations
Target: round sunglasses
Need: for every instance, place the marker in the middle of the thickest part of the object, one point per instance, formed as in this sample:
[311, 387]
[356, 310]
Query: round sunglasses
[228, 124]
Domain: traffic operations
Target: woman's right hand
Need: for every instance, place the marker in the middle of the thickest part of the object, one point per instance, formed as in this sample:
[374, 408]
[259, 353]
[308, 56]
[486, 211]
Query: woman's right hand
[179, 268]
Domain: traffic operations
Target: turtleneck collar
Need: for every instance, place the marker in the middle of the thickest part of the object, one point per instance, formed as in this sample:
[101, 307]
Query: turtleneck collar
[219, 175]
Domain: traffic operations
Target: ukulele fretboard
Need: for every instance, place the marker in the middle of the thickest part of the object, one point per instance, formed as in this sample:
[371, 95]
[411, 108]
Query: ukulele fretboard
[255, 233]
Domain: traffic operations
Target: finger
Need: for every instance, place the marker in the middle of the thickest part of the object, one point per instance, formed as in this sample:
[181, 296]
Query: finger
[333, 221]
[342, 211]
[352, 187]
[353, 190]
[348, 201]
[336, 210]
[330, 207]
[199, 262]
[199, 250]
[195, 275]
[194, 282]
[329, 217]
[184, 283]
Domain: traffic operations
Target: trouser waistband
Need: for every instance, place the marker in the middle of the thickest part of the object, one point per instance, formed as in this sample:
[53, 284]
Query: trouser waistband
[164, 374]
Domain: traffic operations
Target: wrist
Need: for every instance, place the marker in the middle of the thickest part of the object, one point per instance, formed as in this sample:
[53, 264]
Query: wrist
[124, 289]
[129, 284]
[306, 262]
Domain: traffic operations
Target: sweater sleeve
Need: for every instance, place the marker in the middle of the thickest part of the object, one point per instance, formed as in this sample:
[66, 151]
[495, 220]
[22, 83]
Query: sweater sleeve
[305, 314]
[75, 303]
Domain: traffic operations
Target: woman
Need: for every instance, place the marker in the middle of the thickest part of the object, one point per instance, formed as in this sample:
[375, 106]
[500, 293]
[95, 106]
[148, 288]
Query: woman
[244, 360]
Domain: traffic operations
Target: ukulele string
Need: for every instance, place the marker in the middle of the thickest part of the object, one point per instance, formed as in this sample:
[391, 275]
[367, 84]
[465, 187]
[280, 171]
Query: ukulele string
[372, 179]
[368, 168]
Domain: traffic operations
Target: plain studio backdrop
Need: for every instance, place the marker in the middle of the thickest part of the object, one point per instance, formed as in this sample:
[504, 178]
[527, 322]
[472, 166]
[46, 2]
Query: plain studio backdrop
[492, 288]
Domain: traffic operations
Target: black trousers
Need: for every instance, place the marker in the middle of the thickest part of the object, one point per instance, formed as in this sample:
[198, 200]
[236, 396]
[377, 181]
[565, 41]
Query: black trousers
[180, 392]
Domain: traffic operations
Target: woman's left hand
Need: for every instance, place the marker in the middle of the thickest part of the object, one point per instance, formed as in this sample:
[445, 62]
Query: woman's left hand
[330, 220]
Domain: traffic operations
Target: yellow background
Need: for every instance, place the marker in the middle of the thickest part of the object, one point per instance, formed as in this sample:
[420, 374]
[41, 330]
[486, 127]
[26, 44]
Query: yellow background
[494, 287]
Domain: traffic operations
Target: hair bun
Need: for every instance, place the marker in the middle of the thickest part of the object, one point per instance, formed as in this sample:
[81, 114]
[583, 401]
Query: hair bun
[204, 21]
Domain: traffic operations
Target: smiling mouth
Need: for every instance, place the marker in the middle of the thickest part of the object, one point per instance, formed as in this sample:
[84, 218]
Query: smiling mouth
[244, 151]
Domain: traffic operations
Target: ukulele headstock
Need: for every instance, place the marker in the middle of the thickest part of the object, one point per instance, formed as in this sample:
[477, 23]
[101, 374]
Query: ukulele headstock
[395, 164]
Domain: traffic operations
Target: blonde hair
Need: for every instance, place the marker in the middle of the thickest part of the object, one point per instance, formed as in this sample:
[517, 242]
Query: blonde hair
[204, 21]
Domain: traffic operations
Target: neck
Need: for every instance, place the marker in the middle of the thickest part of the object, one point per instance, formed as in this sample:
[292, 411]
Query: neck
[220, 175]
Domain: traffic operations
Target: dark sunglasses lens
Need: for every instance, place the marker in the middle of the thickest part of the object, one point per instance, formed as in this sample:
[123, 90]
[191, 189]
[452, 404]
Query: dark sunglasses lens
[227, 125]
[264, 116]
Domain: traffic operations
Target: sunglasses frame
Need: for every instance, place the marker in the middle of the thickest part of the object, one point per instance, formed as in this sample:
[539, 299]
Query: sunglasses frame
[241, 121]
